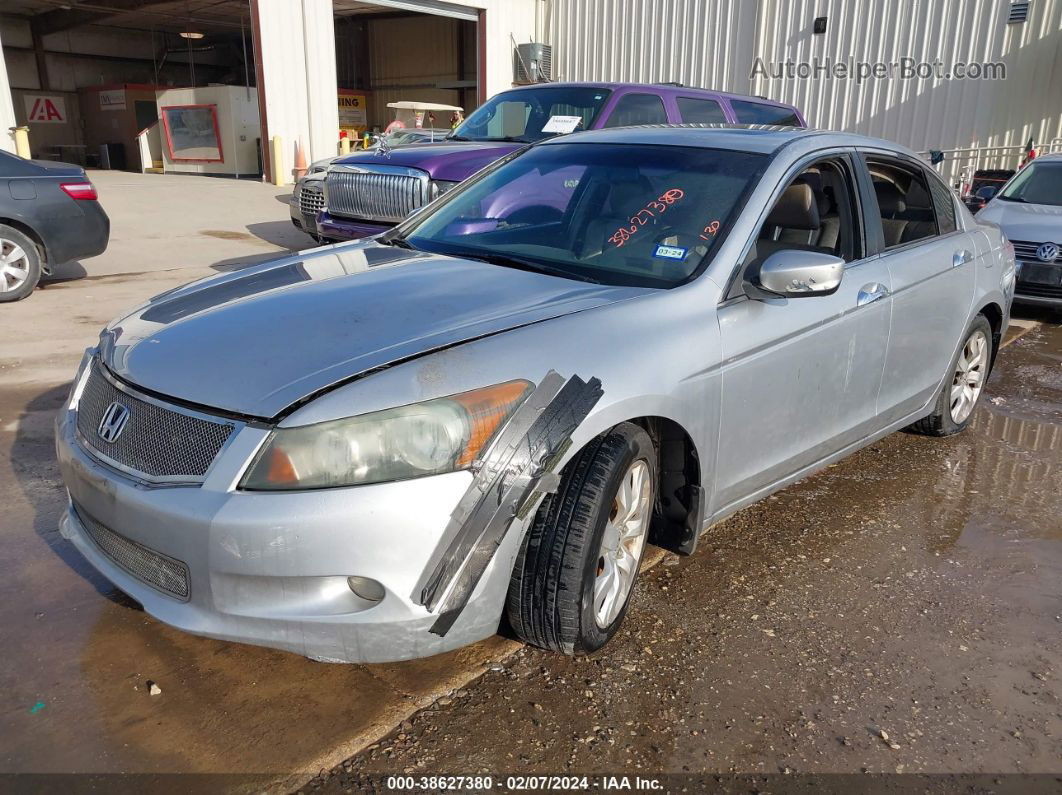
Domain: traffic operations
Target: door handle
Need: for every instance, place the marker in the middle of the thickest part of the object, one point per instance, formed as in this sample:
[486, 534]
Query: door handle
[869, 293]
[961, 257]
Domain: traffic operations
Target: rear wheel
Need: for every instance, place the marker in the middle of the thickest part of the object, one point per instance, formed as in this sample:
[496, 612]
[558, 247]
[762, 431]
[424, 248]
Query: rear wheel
[963, 389]
[578, 563]
[20, 265]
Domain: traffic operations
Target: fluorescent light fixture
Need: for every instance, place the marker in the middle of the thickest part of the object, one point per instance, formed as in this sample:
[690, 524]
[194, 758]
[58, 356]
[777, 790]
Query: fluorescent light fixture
[191, 34]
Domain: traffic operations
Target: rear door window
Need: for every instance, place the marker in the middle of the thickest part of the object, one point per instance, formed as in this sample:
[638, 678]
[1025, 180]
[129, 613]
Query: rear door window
[762, 113]
[905, 205]
[701, 111]
[632, 109]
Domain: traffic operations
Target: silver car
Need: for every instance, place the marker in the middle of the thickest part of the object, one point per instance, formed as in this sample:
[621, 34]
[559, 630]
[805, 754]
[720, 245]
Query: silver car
[1029, 211]
[381, 450]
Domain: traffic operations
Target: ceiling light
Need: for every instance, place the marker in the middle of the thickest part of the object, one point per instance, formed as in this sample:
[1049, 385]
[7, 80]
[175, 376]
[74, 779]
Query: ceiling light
[191, 34]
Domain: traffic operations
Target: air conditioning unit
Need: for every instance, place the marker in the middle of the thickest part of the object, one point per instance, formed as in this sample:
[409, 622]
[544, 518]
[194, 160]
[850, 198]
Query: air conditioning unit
[532, 63]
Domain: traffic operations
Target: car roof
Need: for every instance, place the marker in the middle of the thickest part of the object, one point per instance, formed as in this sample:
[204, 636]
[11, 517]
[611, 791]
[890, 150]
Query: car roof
[1048, 156]
[662, 88]
[758, 138]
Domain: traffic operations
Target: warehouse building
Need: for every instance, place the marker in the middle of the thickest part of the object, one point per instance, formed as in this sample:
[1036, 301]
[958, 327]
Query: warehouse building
[239, 87]
[248, 87]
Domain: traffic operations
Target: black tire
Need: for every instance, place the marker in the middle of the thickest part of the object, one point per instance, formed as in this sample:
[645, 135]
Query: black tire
[550, 597]
[940, 422]
[8, 237]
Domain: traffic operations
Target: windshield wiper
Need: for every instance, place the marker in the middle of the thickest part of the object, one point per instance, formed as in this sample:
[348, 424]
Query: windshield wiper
[507, 261]
[398, 241]
[1013, 199]
[453, 137]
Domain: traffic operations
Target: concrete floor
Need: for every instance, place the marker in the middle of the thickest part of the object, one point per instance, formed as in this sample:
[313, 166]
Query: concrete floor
[78, 655]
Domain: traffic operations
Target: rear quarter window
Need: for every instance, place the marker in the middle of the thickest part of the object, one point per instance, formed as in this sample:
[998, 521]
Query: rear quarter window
[943, 203]
[762, 113]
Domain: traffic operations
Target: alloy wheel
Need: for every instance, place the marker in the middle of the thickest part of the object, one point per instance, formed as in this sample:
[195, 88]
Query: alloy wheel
[621, 546]
[969, 378]
[14, 266]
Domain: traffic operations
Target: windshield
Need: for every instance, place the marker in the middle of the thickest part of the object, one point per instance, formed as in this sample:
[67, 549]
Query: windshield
[1037, 183]
[419, 136]
[611, 213]
[520, 115]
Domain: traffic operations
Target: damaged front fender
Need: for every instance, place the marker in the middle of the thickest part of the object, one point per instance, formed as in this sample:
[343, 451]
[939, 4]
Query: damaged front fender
[510, 477]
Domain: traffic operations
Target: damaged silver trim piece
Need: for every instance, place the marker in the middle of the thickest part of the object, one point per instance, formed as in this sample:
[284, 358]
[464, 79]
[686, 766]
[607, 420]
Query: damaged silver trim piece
[510, 477]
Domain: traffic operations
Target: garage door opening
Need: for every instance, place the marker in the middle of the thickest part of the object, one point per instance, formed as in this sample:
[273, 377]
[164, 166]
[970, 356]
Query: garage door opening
[94, 82]
[421, 52]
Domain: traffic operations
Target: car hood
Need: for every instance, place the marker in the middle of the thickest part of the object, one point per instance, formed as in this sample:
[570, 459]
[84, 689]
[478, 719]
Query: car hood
[1034, 223]
[449, 161]
[259, 340]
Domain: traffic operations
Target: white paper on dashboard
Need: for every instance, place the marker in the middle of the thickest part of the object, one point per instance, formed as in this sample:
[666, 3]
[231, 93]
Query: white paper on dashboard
[561, 124]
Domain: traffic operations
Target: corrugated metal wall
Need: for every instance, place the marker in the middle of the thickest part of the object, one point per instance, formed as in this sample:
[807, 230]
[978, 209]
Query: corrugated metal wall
[699, 42]
[714, 43]
[408, 56]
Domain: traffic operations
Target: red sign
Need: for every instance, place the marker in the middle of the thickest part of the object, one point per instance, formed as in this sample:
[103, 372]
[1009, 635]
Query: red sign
[44, 110]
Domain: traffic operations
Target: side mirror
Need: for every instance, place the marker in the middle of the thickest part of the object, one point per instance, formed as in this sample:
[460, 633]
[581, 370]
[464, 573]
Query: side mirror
[794, 273]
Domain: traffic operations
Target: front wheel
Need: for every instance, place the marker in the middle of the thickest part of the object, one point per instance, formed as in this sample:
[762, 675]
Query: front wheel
[963, 388]
[576, 569]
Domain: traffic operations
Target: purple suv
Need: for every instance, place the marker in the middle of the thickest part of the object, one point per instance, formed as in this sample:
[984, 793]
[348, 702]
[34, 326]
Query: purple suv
[370, 192]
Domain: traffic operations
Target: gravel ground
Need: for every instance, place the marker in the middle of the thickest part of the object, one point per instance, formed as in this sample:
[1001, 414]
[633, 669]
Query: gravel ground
[898, 613]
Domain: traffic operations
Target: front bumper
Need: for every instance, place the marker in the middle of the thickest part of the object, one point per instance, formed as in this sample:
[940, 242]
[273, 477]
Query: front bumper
[333, 227]
[271, 569]
[1039, 283]
[307, 223]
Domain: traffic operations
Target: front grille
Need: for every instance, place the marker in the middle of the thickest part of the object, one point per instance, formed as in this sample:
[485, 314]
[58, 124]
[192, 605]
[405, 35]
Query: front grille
[153, 568]
[311, 199]
[1026, 250]
[157, 442]
[1039, 290]
[375, 196]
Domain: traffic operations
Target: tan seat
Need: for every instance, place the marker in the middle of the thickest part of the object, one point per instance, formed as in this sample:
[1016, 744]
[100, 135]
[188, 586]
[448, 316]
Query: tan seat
[622, 197]
[796, 210]
[897, 228]
[828, 232]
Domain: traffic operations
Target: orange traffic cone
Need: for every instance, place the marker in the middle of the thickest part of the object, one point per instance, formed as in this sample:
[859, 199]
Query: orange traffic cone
[300, 161]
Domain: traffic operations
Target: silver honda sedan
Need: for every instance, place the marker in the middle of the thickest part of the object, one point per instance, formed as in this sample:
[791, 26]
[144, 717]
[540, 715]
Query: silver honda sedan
[384, 449]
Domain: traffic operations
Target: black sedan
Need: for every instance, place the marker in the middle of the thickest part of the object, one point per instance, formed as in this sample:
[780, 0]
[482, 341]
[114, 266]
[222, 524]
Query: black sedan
[49, 214]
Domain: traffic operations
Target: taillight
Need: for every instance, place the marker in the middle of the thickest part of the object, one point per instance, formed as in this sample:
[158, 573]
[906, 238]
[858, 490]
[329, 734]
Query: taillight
[79, 190]
[1010, 268]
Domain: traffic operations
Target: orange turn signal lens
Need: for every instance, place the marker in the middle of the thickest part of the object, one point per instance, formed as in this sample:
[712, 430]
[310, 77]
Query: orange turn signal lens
[281, 470]
[487, 409]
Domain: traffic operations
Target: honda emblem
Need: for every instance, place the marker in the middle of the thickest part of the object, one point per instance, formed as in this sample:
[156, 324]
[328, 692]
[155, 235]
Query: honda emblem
[113, 422]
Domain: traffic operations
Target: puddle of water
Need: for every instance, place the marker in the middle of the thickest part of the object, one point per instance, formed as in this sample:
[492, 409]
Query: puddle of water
[225, 234]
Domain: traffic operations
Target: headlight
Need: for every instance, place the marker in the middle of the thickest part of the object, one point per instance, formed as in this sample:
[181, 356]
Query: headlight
[427, 438]
[441, 186]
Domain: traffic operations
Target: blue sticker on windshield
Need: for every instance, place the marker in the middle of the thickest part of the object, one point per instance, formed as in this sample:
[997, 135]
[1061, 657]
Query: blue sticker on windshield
[671, 252]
